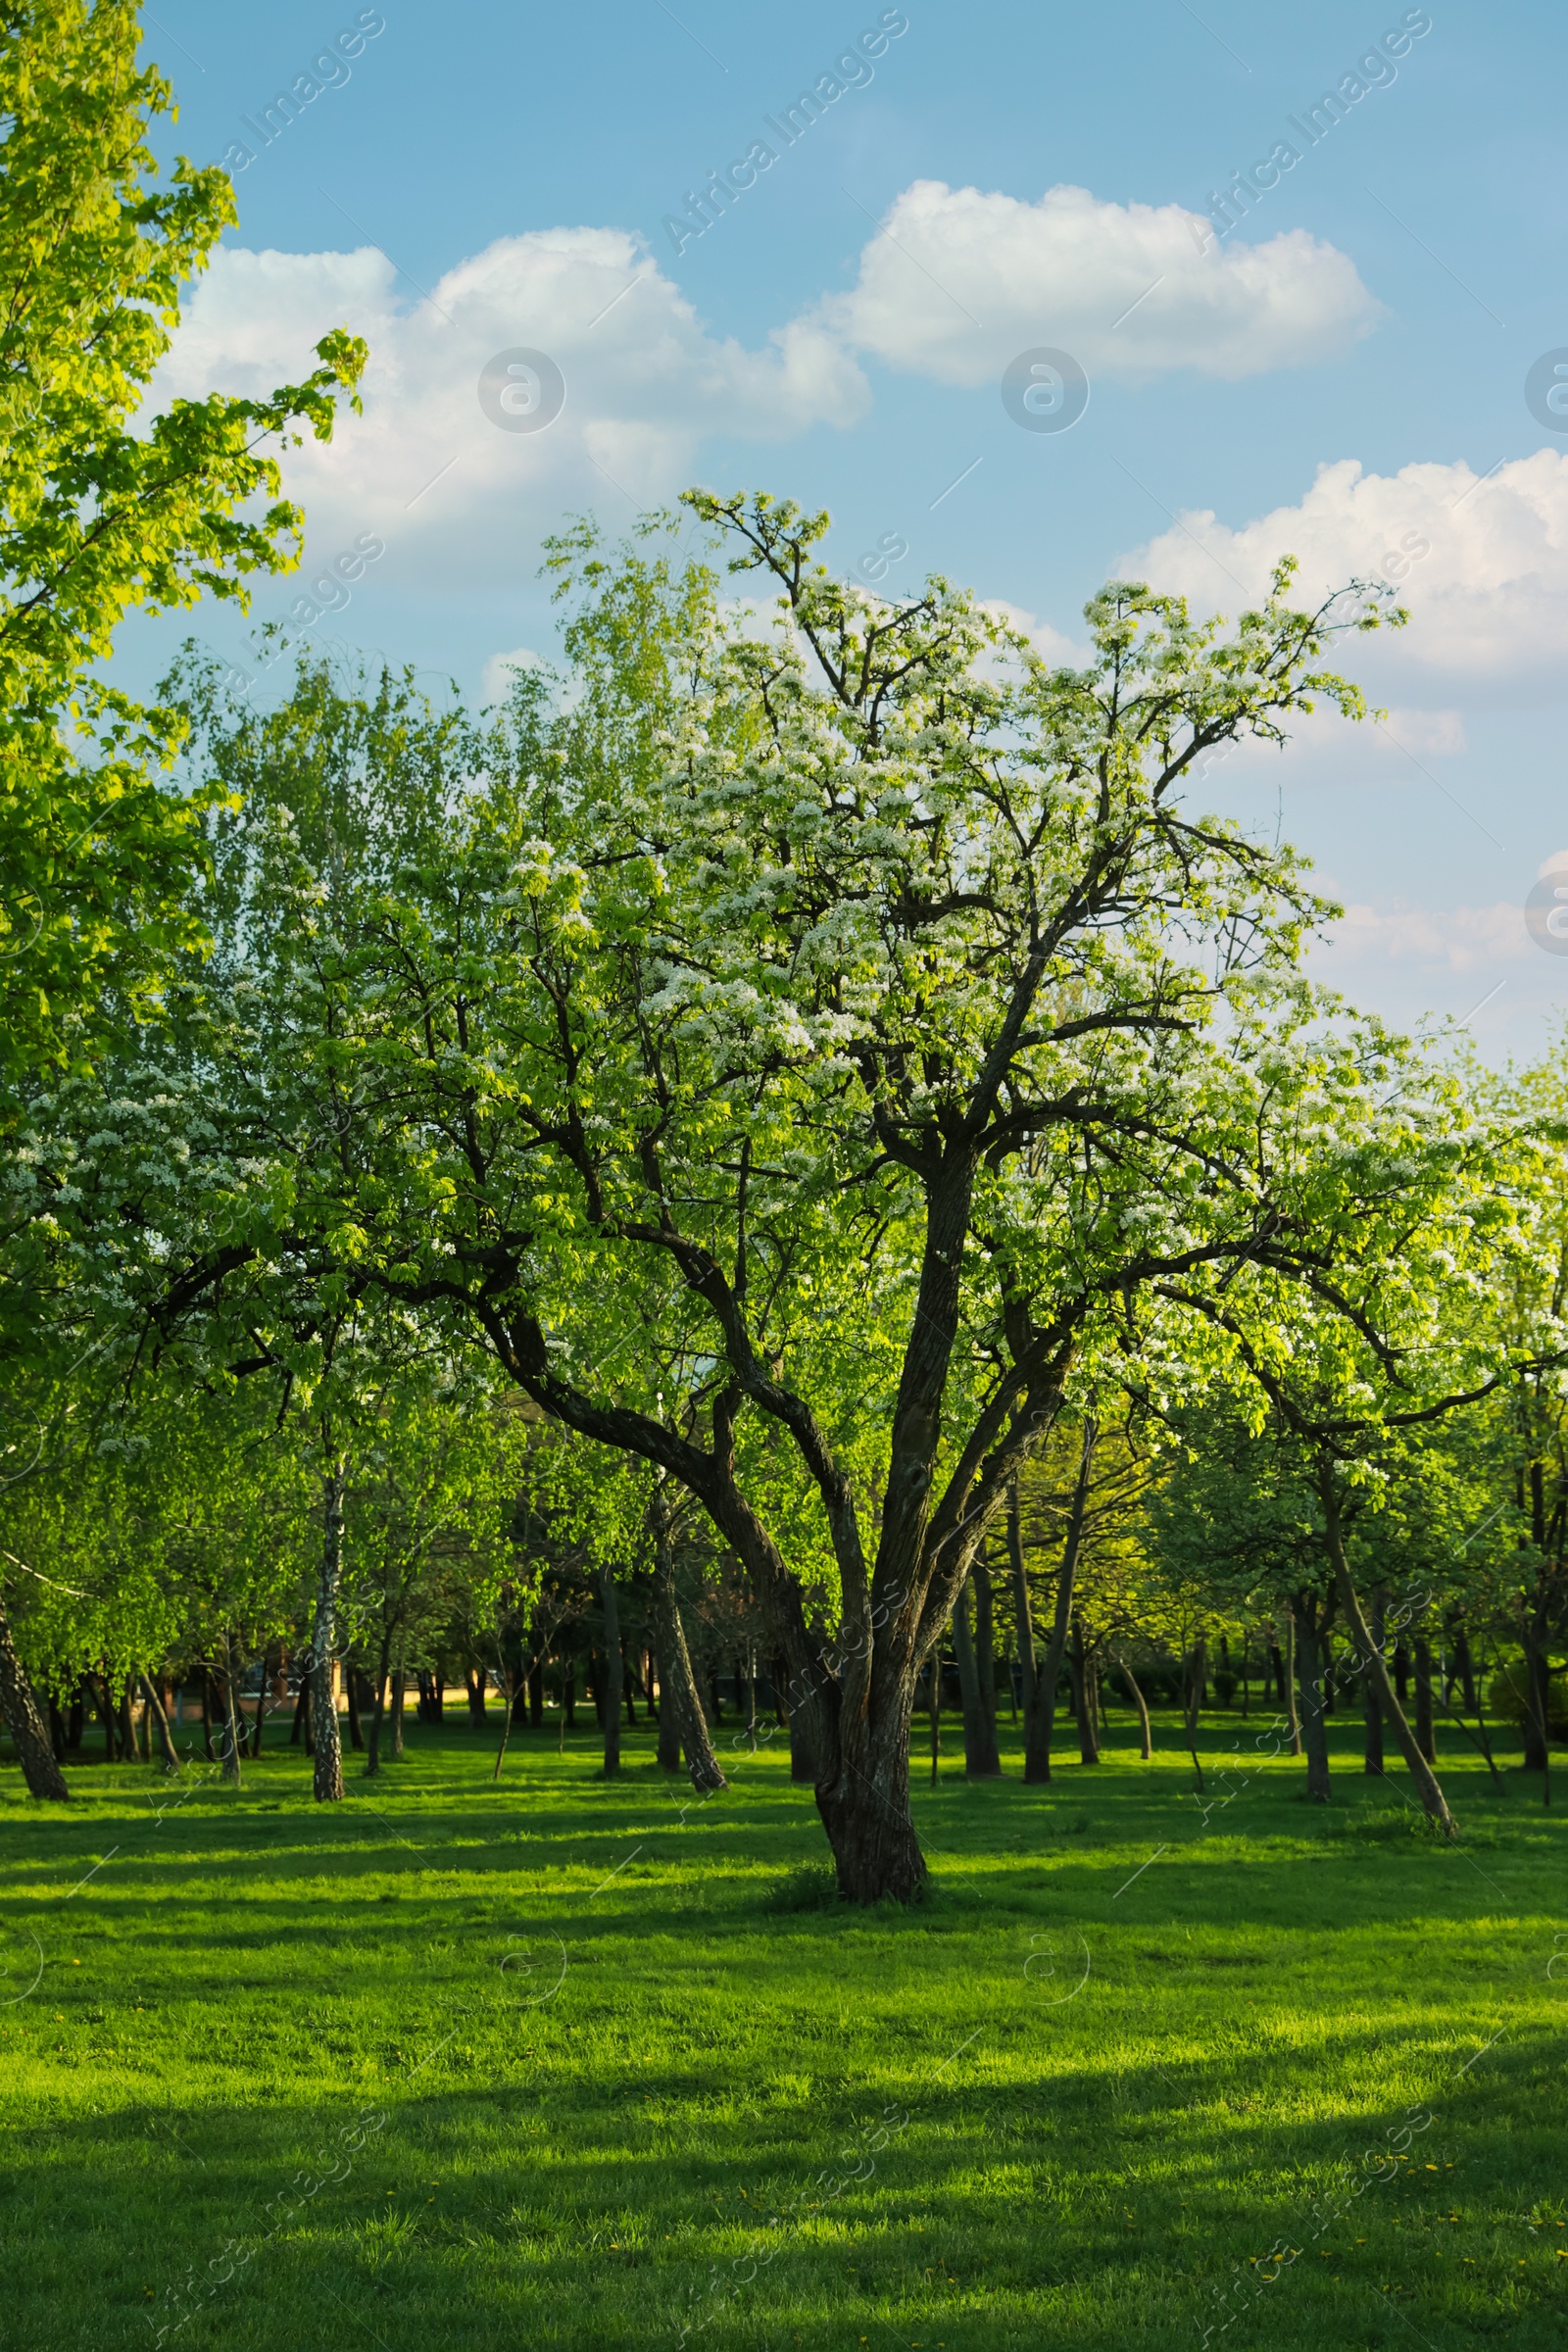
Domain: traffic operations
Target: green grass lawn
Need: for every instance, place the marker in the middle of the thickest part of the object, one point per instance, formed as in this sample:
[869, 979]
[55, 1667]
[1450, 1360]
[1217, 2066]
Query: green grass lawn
[559, 2063]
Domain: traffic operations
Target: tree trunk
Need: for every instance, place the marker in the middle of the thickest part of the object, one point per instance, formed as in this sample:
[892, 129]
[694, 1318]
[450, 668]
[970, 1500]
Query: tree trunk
[685, 1704]
[1372, 1662]
[866, 1811]
[1288, 1698]
[128, 1726]
[1195, 1702]
[1037, 1733]
[1309, 1682]
[474, 1683]
[612, 1674]
[1146, 1736]
[231, 1763]
[668, 1748]
[160, 1719]
[260, 1716]
[981, 1761]
[350, 1682]
[327, 1783]
[1370, 1709]
[1464, 1667]
[1276, 1659]
[1401, 1671]
[373, 1757]
[24, 1722]
[296, 1730]
[1035, 1750]
[400, 1686]
[536, 1692]
[1081, 1669]
[1425, 1737]
[985, 1648]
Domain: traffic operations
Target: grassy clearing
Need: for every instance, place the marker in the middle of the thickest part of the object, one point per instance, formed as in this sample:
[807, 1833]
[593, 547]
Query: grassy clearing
[533, 2065]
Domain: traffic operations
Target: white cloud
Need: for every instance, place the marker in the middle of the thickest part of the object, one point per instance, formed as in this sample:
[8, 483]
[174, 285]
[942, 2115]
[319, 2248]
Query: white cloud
[1435, 734]
[962, 280]
[496, 683]
[1048, 641]
[457, 497]
[1460, 939]
[1480, 563]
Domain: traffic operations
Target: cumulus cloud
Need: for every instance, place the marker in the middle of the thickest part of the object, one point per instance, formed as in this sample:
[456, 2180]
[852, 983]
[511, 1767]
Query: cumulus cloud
[1480, 562]
[963, 280]
[453, 494]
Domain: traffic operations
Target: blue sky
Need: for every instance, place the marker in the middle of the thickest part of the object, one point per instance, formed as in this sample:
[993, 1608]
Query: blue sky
[482, 180]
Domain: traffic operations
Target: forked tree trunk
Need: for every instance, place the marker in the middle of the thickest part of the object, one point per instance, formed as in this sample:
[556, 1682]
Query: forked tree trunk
[981, 1761]
[327, 1753]
[686, 1705]
[29, 1734]
[1373, 1665]
[610, 1675]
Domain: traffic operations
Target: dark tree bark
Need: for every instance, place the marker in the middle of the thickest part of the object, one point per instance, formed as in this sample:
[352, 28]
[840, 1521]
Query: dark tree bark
[56, 1731]
[400, 1686]
[668, 1748]
[326, 1749]
[1276, 1659]
[1401, 1671]
[1081, 1667]
[985, 1642]
[1039, 1717]
[536, 1692]
[372, 1757]
[1370, 1707]
[297, 1729]
[475, 1679]
[126, 1725]
[1195, 1700]
[1292, 1714]
[981, 1761]
[1146, 1736]
[351, 1687]
[24, 1722]
[1330, 1697]
[1372, 1660]
[686, 1705]
[612, 1673]
[1464, 1667]
[1425, 1736]
[1309, 1616]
